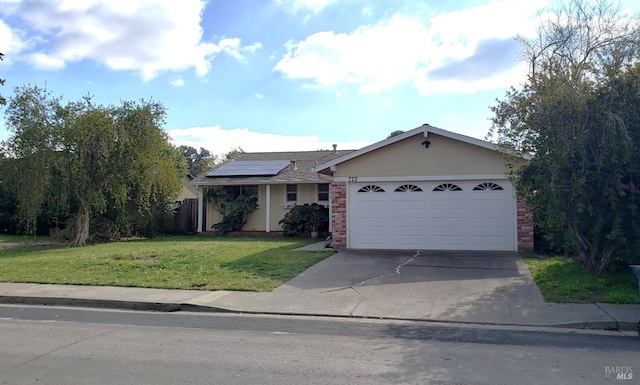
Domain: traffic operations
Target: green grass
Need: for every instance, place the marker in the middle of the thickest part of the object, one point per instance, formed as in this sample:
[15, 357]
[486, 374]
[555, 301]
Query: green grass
[563, 280]
[24, 238]
[196, 262]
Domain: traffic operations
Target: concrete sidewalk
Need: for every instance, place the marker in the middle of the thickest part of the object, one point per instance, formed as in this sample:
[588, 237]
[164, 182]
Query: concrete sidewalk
[464, 287]
[348, 302]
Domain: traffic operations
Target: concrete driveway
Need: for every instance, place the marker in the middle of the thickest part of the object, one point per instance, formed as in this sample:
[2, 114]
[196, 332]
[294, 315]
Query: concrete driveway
[473, 287]
[464, 286]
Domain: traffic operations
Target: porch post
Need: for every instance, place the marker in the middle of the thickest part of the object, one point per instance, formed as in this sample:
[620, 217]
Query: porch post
[330, 211]
[268, 209]
[200, 207]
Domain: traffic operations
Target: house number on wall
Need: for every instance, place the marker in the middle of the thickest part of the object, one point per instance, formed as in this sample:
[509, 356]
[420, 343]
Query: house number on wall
[353, 179]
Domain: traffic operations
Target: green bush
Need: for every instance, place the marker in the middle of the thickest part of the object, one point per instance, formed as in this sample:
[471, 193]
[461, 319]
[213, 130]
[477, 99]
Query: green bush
[308, 217]
[235, 209]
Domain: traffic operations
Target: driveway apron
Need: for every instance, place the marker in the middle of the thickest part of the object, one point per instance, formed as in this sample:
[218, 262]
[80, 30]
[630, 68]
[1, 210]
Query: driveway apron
[454, 285]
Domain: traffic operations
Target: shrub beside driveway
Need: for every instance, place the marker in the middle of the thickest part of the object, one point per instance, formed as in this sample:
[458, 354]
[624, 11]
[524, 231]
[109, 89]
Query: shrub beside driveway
[196, 262]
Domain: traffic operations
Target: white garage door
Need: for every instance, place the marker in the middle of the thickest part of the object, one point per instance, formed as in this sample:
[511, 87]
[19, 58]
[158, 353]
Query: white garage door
[457, 215]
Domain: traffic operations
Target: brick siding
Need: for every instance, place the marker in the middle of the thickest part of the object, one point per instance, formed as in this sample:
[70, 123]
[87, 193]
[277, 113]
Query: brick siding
[338, 191]
[525, 227]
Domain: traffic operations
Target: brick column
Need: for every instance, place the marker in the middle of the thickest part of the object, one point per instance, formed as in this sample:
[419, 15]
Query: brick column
[525, 227]
[338, 191]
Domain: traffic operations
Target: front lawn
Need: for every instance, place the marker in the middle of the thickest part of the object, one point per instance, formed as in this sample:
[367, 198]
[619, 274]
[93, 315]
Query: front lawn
[23, 238]
[195, 262]
[563, 280]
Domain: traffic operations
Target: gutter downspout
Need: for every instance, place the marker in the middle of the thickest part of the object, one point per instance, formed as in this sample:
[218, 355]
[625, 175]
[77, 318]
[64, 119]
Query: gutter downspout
[201, 207]
[268, 211]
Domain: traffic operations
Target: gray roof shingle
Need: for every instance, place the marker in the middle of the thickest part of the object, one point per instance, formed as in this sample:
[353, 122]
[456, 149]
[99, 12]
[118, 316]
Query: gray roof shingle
[300, 173]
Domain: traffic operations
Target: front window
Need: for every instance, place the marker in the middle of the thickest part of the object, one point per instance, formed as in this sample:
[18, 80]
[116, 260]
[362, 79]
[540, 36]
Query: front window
[251, 190]
[323, 192]
[292, 193]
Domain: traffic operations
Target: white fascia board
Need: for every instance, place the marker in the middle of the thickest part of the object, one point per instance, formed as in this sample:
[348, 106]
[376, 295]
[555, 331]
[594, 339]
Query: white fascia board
[234, 183]
[425, 130]
[420, 178]
[260, 183]
[464, 138]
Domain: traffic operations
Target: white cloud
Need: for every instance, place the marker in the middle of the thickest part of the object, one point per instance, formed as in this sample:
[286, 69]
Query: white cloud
[219, 141]
[407, 50]
[45, 62]
[10, 41]
[177, 83]
[373, 57]
[259, 95]
[146, 36]
[314, 6]
[233, 48]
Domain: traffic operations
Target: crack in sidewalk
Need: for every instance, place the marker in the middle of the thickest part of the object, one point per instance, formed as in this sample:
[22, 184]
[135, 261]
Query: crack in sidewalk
[409, 290]
[340, 289]
[356, 307]
[610, 316]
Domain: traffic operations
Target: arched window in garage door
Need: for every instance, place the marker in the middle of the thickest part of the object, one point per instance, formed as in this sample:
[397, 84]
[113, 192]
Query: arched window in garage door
[408, 188]
[371, 188]
[447, 187]
[488, 186]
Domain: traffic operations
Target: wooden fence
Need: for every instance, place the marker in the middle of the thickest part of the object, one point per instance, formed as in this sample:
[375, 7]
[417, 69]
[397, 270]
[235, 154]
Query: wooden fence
[186, 217]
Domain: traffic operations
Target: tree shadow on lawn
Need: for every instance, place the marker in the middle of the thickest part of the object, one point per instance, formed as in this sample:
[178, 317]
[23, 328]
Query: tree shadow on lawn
[18, 249]
[281, 263]
[260, 268]
[299, 241]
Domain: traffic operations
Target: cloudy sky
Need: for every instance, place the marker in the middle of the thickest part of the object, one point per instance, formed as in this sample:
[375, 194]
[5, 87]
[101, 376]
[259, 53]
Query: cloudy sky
[275, 75]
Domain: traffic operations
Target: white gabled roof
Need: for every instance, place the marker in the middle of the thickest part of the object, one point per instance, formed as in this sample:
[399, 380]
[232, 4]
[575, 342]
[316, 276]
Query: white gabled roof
[425, 129]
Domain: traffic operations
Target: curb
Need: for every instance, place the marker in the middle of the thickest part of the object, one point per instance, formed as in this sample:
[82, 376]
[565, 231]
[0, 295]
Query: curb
[95, 303]
[176, 307]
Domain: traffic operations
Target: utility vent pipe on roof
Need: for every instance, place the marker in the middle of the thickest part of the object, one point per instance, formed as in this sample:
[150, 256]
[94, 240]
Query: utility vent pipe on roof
[335, 147]
[293, 164]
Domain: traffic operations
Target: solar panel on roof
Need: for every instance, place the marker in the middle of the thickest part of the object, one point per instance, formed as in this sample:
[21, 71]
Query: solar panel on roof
[250, 168]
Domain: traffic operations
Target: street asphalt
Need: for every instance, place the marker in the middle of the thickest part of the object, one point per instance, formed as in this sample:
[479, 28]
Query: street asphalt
[493, 288]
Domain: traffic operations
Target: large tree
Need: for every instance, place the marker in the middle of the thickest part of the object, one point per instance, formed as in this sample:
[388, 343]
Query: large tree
[198, 161]
[81, 159]
[577, 114]
[232, 154]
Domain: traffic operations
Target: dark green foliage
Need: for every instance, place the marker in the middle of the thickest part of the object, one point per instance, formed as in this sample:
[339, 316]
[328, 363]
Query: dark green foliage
[235, 209]
[578, 113]
[198, 161]
[308, 217]
[8, 204]
[81, 164]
